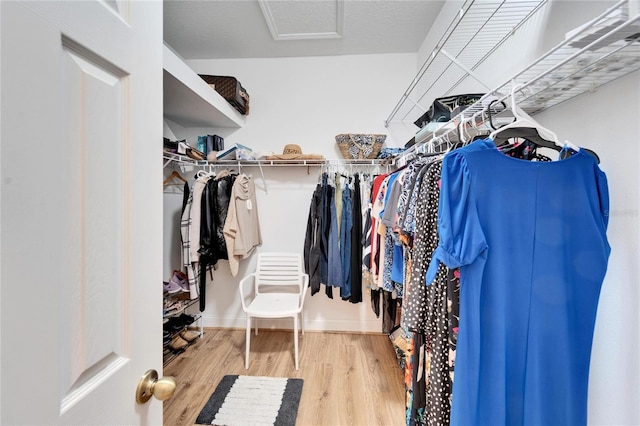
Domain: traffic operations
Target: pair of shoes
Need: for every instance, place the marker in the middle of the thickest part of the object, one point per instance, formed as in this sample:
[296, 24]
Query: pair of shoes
[166, 338]
[185, 149]
[180, 322]
[189, 335]
[178, 343]
[170, 287]
[181, 280]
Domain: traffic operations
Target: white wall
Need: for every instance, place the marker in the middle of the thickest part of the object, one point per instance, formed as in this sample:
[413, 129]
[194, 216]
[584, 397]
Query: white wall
[306, 101]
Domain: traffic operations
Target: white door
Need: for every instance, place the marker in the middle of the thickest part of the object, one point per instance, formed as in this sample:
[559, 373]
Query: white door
[81, 210]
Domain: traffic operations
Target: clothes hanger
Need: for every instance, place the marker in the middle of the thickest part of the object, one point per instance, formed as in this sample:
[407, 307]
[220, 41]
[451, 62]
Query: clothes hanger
[461, 135]
[526, 127]
[174, 175]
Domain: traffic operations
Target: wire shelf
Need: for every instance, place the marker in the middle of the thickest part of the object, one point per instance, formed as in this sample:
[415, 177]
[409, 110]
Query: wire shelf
[476, 32]
[602, 50]
[170, 158]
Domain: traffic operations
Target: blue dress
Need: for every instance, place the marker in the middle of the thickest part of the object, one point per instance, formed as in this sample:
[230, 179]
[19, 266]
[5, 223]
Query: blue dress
[530, 241]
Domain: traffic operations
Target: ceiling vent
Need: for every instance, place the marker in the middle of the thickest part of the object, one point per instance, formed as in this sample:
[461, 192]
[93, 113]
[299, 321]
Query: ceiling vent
[303, 20]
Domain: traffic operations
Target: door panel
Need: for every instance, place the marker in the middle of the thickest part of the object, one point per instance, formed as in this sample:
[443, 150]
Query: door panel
[81, 215]
[92, 342]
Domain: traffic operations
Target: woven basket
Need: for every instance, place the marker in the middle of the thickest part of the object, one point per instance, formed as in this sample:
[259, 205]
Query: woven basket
[360, 146]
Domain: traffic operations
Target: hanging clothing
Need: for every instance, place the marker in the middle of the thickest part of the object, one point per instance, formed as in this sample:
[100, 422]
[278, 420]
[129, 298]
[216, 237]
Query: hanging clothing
[221, 196]
[345, 242]
[213, 212]
[425, 242]
[366, 248]
[339, 186]
[332, 257]
[408, 224]
[194, 229]
[525, 336]
[312, 240]
[242, 226]
[408, 186]
[426, 307]
[193, 272]
[185, 197]
[377, 204]
[335, 277]
[393, 252]
[325, 211]
[356, 246]
[453, 314]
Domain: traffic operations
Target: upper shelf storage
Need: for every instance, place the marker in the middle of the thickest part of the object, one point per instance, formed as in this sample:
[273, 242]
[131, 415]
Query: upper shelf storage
[480, 27]
[602, 50]
[189, 101]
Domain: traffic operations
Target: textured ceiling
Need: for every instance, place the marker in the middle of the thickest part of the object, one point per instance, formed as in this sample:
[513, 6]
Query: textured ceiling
[212, 29]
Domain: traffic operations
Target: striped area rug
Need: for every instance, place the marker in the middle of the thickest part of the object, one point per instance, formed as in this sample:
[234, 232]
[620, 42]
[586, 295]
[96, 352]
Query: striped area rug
[253, 400]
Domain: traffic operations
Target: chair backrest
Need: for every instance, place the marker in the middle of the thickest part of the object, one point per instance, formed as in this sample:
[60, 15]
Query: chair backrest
[279, 269]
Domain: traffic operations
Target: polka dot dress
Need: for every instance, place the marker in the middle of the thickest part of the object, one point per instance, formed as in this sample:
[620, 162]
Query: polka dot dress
[427, 306]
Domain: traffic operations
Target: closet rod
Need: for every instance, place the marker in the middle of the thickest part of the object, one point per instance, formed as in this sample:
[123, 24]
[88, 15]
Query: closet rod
[183, 159]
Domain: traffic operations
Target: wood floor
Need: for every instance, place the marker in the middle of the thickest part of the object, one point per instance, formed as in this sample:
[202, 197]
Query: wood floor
[349, 379]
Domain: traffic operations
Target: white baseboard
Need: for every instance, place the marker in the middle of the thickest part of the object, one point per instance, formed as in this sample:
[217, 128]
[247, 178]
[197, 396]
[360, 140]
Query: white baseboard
[284, 323]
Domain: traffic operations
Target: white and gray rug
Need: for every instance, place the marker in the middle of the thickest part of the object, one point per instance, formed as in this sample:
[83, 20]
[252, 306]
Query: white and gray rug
[253, 400]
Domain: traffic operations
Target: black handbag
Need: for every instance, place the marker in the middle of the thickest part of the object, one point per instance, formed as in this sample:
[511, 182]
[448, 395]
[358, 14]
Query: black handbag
[443, 109]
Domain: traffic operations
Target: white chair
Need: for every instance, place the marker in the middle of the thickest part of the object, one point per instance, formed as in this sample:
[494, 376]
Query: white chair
[279, 289]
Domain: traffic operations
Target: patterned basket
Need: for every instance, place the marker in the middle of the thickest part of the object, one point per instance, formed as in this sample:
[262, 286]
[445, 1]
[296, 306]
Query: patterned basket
[359, 146]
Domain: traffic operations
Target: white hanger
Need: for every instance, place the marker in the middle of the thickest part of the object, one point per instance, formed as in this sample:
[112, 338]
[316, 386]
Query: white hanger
[461, 134]
[522, 119]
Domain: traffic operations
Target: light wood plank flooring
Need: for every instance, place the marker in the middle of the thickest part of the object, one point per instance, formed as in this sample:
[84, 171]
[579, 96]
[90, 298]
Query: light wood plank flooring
[349, 379]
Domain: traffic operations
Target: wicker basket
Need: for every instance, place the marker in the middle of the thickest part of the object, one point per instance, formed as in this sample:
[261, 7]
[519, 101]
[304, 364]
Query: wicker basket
[360, 146]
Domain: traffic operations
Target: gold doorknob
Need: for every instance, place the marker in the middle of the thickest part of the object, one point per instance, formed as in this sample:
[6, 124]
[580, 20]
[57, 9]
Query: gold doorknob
[149, 384]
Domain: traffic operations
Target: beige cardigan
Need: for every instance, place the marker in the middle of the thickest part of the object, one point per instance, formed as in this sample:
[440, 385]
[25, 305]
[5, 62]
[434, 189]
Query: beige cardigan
[242, 228]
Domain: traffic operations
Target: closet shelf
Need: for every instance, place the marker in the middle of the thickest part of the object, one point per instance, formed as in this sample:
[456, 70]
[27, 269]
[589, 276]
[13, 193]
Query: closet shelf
[602, 50]
[183, 159]
[182, 309]
[476, 31]
[189, 101]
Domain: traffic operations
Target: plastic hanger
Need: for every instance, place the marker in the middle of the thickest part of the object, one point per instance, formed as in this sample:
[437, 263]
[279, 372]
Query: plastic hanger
[540, 135]
[461, 135]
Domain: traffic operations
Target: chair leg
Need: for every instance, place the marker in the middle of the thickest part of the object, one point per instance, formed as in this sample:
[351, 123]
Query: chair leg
[246, 356]
[302, 322]
[295, 337]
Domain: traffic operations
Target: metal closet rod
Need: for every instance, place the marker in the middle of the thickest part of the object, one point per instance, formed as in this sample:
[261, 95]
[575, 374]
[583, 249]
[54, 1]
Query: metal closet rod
[183, 159]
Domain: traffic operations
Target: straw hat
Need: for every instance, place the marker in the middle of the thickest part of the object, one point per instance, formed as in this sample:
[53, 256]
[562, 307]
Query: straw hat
[294, 152]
